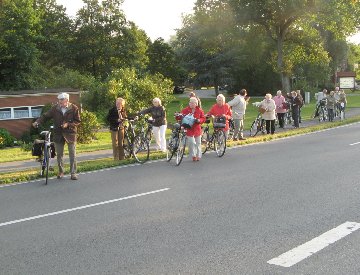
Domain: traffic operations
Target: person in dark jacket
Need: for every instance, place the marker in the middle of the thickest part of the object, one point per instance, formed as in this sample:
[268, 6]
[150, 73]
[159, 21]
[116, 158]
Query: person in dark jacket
[115, 118]
[66, 118]
[295, 102]
[158, 113]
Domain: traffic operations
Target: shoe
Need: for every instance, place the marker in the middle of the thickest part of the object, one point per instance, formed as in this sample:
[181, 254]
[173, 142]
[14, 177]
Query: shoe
[235, 139]
[242, 138]
[60, 175]
[74, 177]
[197, 159]
[194, 158]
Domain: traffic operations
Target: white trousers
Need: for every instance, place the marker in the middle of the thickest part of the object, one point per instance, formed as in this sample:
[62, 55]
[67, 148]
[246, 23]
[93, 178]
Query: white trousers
[159, 135]
[194, 146]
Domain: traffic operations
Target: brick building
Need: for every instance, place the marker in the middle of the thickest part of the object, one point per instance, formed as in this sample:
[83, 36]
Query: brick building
[19, 108]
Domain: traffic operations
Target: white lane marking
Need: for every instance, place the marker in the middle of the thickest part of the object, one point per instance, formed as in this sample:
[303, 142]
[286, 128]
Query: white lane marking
[82, 207]
[354, 143]
[311, 247]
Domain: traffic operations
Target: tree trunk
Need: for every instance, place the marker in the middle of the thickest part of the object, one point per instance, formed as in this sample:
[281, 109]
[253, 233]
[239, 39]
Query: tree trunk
[285, 79]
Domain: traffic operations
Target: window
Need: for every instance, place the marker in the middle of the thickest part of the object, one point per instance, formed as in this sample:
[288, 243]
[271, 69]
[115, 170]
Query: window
[21, 112]
[5, 113]
[36, 111]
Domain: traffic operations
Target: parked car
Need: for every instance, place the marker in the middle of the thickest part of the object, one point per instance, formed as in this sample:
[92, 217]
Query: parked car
[179, 89]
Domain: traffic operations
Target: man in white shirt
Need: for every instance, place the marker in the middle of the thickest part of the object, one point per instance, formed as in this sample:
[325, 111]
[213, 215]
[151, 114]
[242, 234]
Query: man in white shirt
[238, 105]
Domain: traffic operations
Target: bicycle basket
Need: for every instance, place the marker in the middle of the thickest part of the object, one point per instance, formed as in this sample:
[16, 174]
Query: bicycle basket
[188, 121]
[219, 122]
[36, 149]
[286, 105]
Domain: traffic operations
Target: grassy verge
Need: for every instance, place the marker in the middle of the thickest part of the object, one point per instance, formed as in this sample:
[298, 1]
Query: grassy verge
[32, 174]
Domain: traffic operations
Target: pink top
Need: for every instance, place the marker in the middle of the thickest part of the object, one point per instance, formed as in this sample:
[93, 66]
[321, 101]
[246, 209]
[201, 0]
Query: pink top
[279, 100]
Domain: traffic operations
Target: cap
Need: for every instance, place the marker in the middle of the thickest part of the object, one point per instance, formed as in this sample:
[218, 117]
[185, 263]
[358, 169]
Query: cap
[63, 96]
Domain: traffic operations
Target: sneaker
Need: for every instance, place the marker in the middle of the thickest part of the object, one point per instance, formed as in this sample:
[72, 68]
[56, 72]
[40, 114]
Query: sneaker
[197, 159]
[60, 175]
[242, 138]
[235, 139]
[194, 158]
[74, 177]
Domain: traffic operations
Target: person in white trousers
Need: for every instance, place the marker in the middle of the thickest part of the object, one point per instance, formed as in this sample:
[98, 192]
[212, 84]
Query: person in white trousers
[158, 113]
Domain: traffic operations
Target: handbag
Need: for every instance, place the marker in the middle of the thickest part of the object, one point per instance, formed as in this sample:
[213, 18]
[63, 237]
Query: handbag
[188, 121]
[262, 110]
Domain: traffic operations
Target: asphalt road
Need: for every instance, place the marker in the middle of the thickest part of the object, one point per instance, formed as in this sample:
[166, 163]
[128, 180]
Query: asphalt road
[228, 215]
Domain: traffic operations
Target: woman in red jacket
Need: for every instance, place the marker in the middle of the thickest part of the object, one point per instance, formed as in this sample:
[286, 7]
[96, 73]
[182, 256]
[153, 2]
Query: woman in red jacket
[194, 133]
[221, 109]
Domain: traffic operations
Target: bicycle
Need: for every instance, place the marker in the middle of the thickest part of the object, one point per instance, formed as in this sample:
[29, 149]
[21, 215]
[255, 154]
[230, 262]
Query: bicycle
[142, 140]
[231, 129]
[130, 147]
[322, 111]
[217, 140]
[44, 149]
[177, 141]
[257, 125]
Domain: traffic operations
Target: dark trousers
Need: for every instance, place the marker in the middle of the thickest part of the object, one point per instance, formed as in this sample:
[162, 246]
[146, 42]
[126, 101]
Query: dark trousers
[331, 114]
[270, 126]
[281, 119]
[295, 116]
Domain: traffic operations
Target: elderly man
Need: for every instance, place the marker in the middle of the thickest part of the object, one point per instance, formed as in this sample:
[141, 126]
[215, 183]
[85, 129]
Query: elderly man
[238, 105]
[66, 117]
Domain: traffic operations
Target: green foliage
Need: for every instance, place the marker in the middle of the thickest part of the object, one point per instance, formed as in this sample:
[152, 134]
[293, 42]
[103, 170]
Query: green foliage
[88, 127]
[19, 27]
[6, 140]
[139, 90]
[162, 59]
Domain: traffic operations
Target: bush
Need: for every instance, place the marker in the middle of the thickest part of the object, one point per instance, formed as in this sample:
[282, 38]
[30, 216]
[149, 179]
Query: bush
[6, 140]
[88, 127]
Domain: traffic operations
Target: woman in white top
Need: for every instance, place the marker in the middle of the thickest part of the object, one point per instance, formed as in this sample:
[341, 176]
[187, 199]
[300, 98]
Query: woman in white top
[269, 105]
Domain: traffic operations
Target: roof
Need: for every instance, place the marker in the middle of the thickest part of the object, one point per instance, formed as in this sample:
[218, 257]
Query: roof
[39, 91]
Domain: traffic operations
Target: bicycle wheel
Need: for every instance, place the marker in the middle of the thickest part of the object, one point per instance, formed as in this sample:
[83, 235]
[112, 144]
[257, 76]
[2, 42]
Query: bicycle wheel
[205, 138]
[127, 147]
[220, 143]
[231, 130]
[46, 162]
[172, 145]
[255, 127]
[141, 149]
[181, 149]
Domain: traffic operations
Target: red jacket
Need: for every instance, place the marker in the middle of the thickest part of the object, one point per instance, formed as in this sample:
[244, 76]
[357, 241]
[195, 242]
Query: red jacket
[224, 110]
[195, 130]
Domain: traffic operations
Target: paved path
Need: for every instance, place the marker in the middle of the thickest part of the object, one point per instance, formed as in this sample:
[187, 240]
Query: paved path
[27, 164]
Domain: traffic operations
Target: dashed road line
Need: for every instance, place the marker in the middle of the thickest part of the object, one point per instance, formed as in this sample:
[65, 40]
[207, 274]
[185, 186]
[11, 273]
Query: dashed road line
[309, 248]
[82, 207]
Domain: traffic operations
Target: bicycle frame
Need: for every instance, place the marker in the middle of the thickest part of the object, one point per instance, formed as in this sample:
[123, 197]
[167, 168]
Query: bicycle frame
[177, 142]
[46, 154]
[215, 141]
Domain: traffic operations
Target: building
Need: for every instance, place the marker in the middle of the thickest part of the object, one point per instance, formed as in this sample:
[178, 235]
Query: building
[19, 108]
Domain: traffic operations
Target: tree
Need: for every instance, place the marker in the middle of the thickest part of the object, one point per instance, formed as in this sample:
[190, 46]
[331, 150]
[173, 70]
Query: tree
[19, 28]
[282, 19]
[55, 34]
[105, 41]
[163, 60]
[204, 40]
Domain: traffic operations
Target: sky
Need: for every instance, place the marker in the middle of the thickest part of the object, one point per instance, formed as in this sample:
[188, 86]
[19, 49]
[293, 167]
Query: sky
[158, 18]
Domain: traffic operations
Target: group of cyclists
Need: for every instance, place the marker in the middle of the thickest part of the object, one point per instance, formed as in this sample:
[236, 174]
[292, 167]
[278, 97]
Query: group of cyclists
[330, 104]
